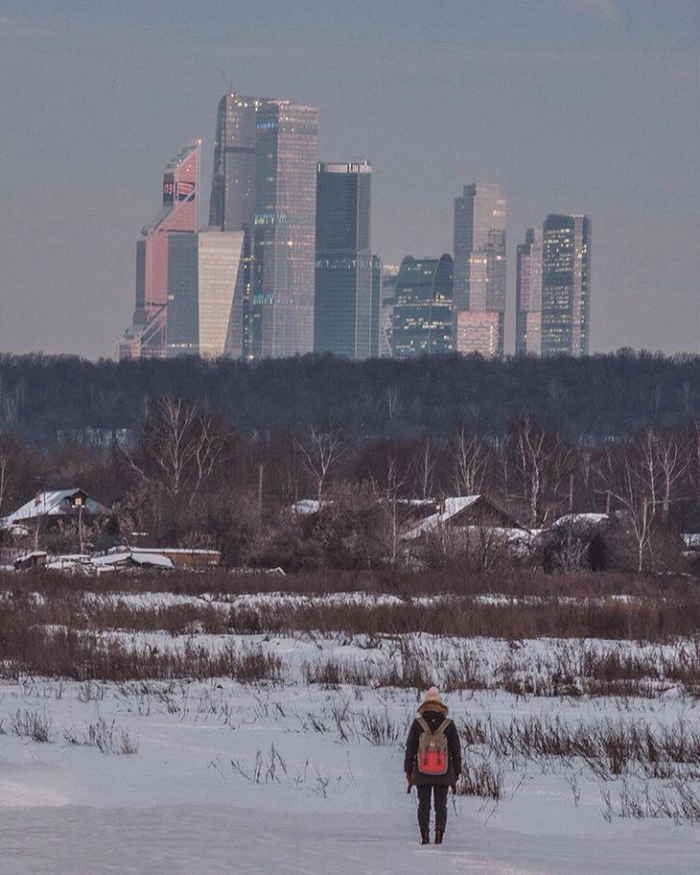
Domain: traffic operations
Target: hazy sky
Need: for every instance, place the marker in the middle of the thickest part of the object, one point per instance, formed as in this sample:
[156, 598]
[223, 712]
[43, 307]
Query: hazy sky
[571, 105]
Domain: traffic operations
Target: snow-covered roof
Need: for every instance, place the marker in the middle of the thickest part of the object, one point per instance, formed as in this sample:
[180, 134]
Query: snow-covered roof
[161, 550]
[138, 558]
[582, 519]
[52, 503]
[35, 554]
[451, 507]
[306, 506]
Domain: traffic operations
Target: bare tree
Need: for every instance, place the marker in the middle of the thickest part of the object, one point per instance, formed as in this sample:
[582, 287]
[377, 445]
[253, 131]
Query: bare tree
[389, 499]
[319, 453]
[423, 465]
[4, 477]
[469, 462]
[180, 448]
[393, 401]
[624, 472]
[673, 464]
[530, 457]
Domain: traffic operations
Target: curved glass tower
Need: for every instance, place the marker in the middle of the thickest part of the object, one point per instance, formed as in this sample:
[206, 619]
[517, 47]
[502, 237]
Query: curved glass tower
[422, 317]
[147, 337]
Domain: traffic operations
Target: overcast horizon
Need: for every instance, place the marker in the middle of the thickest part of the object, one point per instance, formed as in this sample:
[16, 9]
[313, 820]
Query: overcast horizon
[581, 106]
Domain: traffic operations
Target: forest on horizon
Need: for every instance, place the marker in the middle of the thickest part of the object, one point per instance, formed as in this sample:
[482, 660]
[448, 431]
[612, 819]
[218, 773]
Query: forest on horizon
[50, 399]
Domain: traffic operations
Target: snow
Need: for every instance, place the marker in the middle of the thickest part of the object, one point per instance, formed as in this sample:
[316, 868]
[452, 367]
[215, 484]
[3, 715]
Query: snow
[330, 806]
[582, 519]
[285, 778]
[137, 558]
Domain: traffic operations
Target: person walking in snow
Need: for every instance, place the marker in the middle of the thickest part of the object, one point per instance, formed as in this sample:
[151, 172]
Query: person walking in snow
[433, 762]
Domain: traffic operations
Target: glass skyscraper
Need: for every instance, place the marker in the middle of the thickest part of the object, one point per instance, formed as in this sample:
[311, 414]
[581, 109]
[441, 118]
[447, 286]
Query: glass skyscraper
[264, 184]
[147, 336]
[232, 202]
[202, 271]
[566, 278]
[480, 269]
[285, 229]
[528, 294]
[347, 292]
[422, 312]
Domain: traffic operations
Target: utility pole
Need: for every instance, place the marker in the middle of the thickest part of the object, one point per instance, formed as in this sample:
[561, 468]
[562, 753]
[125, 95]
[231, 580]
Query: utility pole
[571, 493]
[261, 474]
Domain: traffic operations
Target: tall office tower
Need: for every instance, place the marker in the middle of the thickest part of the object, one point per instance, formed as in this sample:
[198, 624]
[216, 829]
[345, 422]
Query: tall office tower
[480, 269]
[422, 318]
[376, 322]
[390, 273]
[285, 229]
[344, 321]
[232, 201]
[528, 294]
[146, 337]
[202, 271]
[566, 278]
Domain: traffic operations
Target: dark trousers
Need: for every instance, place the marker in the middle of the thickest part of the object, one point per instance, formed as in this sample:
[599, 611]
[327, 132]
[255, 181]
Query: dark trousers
[440, 798]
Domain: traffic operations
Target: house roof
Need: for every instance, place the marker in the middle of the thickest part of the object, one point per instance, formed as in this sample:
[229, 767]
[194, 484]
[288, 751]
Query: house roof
[52, 503]
[131, 556]
[582, 519]
[451, 507]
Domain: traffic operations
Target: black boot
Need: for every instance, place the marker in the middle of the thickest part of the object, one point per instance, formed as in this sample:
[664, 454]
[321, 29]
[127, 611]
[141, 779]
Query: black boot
[439, 833]
[424, 837]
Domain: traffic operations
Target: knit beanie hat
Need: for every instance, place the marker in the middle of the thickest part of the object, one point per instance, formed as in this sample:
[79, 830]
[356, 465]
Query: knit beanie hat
[432, 702]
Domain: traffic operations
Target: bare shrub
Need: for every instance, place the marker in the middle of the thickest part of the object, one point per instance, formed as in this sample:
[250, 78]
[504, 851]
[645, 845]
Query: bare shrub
[379, 729]
[36, 725]
[480, 779]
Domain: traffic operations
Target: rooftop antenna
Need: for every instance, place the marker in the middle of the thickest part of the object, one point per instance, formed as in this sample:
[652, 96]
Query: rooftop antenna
[227, 82]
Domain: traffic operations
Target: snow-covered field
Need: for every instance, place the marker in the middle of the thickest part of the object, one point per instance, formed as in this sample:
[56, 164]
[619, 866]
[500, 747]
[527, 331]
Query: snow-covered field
[288, 777]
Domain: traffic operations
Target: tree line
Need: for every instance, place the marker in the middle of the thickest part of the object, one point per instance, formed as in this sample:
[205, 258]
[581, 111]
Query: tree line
[51, 399]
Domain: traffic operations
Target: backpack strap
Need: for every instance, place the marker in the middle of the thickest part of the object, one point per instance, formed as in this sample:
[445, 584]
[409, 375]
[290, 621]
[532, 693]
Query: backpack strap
[443, 726]
[423, 723]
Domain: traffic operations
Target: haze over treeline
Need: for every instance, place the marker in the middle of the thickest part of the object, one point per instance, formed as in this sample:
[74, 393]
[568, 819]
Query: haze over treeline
[51, 399]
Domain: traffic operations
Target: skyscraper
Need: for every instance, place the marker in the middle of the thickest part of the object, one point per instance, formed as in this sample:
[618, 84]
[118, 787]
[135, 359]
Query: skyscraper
[146, 338]
[390, 273]
[528, 294]
[202, 271]
[566, 276]
[346, 310]
[232, 202]
[422, 315]
[285, 229]
[480, 269]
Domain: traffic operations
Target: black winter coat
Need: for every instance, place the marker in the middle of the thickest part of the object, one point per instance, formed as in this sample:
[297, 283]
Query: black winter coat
[454, 752]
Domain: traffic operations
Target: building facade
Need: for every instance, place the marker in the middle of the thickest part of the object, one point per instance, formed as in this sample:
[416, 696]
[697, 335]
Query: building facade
[284, 251]
[232, 202]
[528, 294]
[147, 336]
[479, 267]
[346, 302]
[202, 270]
[422, 310]
[390, 273]
[566, 285]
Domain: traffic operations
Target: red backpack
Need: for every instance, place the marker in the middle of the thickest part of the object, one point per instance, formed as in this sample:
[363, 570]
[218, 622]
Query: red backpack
[432, 748]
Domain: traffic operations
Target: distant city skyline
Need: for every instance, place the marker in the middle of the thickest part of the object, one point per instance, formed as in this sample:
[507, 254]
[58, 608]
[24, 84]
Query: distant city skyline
[101, 96]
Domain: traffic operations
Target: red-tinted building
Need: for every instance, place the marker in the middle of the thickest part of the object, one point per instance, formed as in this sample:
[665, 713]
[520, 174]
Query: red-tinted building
[147, 336]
